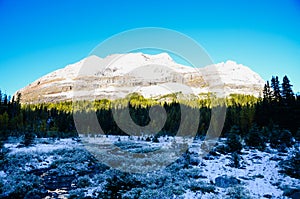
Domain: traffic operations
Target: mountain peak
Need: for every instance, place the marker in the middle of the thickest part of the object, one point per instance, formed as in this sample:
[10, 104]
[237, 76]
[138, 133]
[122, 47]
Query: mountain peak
[117, 75]
[231, 62]
[164, 56]
[140, 57]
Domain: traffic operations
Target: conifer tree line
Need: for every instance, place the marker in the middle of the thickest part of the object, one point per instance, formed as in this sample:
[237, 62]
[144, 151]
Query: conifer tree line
[275, 116]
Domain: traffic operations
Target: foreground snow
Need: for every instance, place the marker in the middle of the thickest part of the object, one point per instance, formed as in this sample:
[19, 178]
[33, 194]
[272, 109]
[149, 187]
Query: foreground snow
[67, 163]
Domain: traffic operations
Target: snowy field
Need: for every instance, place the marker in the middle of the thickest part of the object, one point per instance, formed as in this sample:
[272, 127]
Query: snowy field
[53, 168]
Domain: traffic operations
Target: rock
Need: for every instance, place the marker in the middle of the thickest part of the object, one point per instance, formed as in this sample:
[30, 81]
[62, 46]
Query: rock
[194, 159]
[267, 196]
[256, 157]
[208, 157]
[203, 164]
[226, 181]
[292, 193]
[276, 158]
[258, 176]
[282, 154]
[214, 153]
[221, 149]
[202, 177]
[244, 178]
[295, 195]
[36, 194]
[52, 182]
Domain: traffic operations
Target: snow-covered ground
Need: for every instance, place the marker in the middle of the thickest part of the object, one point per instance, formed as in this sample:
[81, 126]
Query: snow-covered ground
[52, 168]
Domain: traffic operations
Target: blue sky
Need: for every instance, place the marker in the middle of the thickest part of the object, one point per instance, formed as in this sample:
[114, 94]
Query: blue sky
[38, 37]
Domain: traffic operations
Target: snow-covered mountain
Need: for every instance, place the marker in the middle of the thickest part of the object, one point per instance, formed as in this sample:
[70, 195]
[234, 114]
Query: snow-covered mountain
[115, 76]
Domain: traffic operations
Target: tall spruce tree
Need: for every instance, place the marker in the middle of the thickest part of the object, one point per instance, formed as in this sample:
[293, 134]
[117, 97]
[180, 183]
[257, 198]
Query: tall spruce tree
[276, 88]
[255, 138]
[5, 100]
[287, 92]
[234, 140]
[267, 92]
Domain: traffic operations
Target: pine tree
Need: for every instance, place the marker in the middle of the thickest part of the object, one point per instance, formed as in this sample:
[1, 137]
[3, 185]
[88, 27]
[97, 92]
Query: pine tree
[28, 138]
[4, 120]
[287, 92]
[267, 92]
[255, 138]
[276, 88]
[18, 98]
[0, 99]
[5, 101]
[234, 140]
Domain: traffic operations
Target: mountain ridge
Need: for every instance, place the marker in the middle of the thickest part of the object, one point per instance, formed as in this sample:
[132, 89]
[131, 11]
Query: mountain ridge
[118, 75]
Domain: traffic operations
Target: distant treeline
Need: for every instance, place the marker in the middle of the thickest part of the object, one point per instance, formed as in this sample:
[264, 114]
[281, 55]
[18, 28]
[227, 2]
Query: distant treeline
[279, 108]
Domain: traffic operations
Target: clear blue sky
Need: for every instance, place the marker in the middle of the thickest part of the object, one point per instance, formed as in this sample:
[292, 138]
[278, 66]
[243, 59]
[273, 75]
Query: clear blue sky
[39, 36]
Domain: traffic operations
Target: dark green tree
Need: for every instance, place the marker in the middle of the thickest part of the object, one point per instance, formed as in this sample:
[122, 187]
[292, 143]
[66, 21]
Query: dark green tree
[267, 92]
[287, 92]
[276, 89]
[234, 140]
[5, 100]
[280, 138]
[255, 138]
[235, 160]
[28, 138]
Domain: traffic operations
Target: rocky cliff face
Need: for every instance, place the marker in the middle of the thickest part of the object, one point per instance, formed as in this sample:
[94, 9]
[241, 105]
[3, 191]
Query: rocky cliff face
[118, 75]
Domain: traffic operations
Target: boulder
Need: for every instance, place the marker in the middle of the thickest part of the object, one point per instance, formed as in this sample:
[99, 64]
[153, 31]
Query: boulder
[226, 181]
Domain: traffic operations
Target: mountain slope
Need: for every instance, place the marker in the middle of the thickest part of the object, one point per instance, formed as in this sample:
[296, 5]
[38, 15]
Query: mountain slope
[117, 75]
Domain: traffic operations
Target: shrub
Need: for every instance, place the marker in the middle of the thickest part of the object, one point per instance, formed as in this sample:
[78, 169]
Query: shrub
[76, 194]
[235, 158]
[155, 139]
[20, 183]
[286, 138]
[281, 138]
[234, 143]
[290, 192]
[199, 186]
[119, 183]
[1, 187]
[3, 152]
[221, 149]
[133, 193]
[83, 182]
[297, 135]
[290, 166]
[35, 194]
[28, 138]
[255, 138]
[238, 192]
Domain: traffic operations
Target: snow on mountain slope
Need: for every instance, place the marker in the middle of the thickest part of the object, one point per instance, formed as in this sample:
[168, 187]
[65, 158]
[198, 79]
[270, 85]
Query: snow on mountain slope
[117, 75]
[233, 78]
